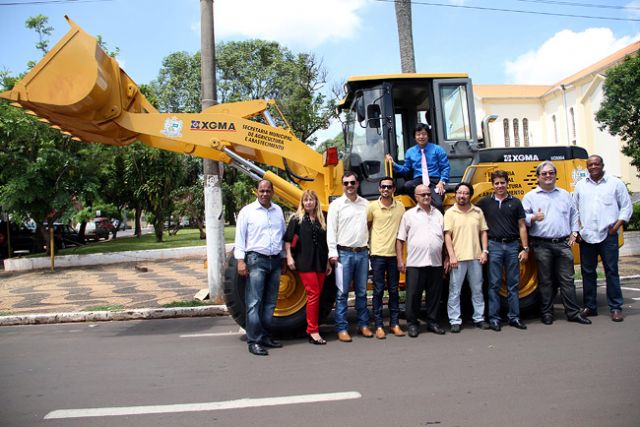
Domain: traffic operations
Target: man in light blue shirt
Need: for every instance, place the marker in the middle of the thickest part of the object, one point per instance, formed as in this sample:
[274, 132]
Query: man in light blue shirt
[604, 206]
[438, 166]
[552, 219]
[261, 258]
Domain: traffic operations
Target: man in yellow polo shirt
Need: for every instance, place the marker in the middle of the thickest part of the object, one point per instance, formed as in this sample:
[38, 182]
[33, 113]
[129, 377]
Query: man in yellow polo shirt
[466, 239]
[383, 217]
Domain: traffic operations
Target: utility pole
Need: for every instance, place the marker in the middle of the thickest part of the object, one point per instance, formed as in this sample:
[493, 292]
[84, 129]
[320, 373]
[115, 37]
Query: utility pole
[214, 210]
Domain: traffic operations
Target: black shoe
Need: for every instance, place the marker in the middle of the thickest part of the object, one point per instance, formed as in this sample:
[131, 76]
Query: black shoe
[495, 325]
[321, 341]
[587, 312]
[258, 350]
[435, 328]
[271, 343]
[413, 331]
[579, 319]
[547, 319]
[481, 325]
[516, 323]
[455, 329]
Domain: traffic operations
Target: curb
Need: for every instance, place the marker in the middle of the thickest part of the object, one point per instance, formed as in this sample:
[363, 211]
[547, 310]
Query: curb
[155, 313]
[104, 316]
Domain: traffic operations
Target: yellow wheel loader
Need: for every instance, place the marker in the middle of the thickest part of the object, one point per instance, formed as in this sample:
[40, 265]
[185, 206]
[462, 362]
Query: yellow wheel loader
[80, 90]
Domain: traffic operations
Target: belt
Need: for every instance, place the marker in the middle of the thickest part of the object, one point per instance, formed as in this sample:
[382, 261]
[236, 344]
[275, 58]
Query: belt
[546, 239]
[264, 256]
[507, 240]
[348, 249]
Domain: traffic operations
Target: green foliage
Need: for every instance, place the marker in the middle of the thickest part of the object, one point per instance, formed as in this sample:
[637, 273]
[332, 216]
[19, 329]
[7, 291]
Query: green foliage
[177, 88]
[103, 45]
[257, 69]
[634, 222]
[619, 112]
[189, 303]
[39, 24]
[336, 141]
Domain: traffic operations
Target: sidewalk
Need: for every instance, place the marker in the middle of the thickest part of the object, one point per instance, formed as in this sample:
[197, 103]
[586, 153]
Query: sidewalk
[141, 288]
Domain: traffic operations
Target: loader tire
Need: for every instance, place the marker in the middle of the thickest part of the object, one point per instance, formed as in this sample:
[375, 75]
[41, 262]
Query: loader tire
[290, 317]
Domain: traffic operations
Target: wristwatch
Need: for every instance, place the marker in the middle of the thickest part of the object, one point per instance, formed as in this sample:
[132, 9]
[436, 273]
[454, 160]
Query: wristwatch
[484, 251]
[526, 249]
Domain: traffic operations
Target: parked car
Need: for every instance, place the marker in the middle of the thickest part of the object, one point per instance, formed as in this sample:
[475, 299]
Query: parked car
[23, 239]
[97, 228]
[64, 236]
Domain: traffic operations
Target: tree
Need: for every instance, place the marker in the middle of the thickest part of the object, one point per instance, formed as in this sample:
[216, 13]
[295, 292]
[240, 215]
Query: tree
[38, 23]
[257, 69]
[619, 112]
[405, 36]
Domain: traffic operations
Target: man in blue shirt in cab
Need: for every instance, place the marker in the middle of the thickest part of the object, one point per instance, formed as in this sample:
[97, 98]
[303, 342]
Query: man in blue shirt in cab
[428, 157]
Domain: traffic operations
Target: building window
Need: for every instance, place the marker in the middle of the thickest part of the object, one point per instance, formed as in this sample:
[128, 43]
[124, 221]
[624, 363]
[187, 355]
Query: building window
[573, 126]
[505, 124]
[555, 129]
[516, 133]
[525, 131]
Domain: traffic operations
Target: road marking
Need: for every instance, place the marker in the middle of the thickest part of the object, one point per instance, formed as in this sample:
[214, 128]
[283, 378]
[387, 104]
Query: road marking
[624, 288]
[211, 334]
[196, 407]
[636, 299]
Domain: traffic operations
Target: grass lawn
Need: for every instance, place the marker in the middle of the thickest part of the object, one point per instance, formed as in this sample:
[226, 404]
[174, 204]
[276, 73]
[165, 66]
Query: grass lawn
[184, 238]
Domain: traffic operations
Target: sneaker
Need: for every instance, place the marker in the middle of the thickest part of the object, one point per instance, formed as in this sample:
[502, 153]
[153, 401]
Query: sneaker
[455, 329]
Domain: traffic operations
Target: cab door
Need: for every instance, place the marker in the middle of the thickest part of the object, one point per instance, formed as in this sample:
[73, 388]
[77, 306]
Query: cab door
[455, 124]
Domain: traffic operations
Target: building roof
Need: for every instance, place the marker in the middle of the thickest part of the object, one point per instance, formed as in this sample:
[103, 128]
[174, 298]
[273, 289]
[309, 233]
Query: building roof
[537, 91]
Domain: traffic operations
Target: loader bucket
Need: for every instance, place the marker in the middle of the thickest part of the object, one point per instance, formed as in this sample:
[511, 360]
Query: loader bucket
[81, 89]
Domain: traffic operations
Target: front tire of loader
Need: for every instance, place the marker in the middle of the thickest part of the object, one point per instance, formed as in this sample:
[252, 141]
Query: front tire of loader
[290, 317]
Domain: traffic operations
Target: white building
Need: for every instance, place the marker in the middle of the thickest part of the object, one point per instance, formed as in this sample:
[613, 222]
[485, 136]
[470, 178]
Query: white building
[558, 114]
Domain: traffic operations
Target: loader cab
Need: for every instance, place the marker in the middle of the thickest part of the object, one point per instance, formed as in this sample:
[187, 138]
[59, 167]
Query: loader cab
[381, 112]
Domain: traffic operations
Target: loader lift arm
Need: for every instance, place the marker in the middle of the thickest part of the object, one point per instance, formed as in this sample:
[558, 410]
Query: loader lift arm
[81, 90]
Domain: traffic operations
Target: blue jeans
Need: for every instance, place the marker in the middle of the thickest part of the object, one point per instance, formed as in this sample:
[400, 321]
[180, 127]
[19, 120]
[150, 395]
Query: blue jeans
[388, 265]
[504, 257]
[261, 295]
[355, 267]
[472, 269]
[608, 252]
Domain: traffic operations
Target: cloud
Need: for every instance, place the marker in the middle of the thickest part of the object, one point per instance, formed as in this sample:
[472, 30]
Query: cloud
[565, 53]
[633, 8]
[295, 23]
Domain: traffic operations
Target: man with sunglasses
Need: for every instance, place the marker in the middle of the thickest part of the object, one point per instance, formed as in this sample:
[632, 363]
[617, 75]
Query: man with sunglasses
[383, 219]
[347, 238]
[421, 229]
[552, 218]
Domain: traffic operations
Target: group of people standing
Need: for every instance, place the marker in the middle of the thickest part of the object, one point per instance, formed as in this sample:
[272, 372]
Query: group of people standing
[500, 230]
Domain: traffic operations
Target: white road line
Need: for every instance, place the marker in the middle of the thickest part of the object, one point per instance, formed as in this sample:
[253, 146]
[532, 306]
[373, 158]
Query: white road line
[211, 334]
[207, 406]
[636, 299]
[624, 288]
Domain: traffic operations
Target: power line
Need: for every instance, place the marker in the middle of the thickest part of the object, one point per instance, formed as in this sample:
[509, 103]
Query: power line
[573, 4]
[529, 12]
[21, 3]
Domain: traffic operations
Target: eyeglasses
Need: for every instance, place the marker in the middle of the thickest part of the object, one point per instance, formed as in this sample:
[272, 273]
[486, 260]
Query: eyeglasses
[386, 187]
[550, 173]
[423, 194]
[348, 183]
[463, 194]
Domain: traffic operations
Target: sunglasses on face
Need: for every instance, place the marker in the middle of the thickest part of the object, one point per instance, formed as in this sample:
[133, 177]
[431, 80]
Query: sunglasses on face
[423, 194]
[551, 173]
[386, 187]
[349, 183]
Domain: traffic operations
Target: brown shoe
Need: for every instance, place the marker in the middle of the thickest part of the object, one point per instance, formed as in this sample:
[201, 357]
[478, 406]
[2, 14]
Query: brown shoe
[397, 330]
[344, 336]
[380, 334]
[616, 316]
[365, 332]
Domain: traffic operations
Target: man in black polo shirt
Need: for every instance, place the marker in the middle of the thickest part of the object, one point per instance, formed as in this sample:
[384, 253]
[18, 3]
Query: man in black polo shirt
[506, 220]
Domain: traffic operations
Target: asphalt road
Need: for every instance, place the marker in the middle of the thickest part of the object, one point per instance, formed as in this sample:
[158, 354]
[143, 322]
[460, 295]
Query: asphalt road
[193, 372]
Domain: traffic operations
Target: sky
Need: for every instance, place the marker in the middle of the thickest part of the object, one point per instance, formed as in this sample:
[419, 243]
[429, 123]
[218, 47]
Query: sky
[351, 37]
